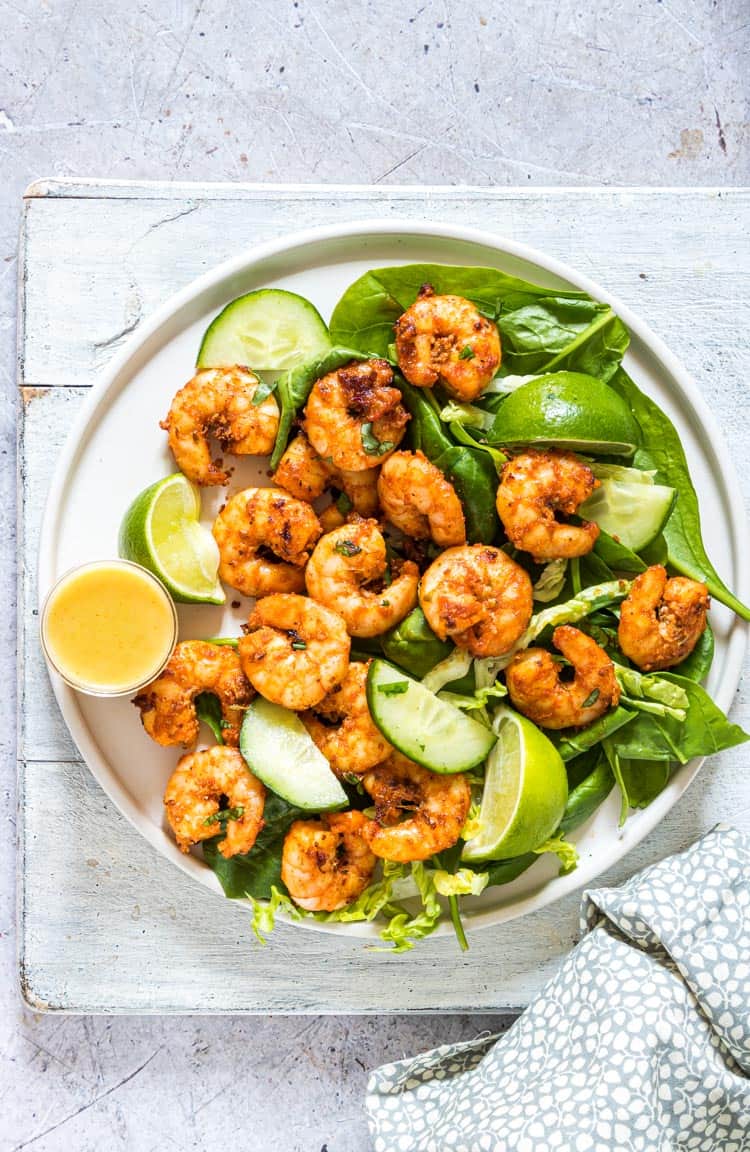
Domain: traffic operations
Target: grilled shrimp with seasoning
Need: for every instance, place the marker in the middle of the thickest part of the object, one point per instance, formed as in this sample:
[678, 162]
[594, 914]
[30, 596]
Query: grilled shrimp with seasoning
[354, 417]
[416, 497]
[534, 486]
[294, 651]
[446, 340]
[305, 475]
[477, 597]
[342, 727]
[195, 790]
[168, 704]
[326, 862]
[538, 689]
[348, 571]
[265, 538]
[418, 813]
[661, 619]
[218, 403]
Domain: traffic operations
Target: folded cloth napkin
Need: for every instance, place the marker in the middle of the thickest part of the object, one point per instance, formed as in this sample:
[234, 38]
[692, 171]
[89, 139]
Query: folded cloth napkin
[641, 1040]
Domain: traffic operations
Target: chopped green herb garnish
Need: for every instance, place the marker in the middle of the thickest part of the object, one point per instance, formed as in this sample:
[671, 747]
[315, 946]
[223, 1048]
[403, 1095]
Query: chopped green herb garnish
[344, 504]
[467, 353]
[592, 699]
[225, 815]
[385, 603]
[299, 645]
[347, 548]
[396, 689]
[370, 442]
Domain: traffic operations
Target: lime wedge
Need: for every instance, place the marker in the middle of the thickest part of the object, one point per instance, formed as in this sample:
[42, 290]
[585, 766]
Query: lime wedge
[269, 330]
[567, 410]
[161, 531]
[525, 792]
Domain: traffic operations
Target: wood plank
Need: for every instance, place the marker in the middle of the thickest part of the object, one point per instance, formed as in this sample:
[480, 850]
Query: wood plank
[107, 924]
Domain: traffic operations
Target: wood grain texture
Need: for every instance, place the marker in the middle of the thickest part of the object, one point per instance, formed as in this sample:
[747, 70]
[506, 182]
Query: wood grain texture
[105, 923]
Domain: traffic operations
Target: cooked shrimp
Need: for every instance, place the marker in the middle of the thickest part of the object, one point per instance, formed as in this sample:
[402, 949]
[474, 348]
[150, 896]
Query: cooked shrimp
[662, 620]
[168, 704]
[478, 597]
[417, 812]
[193, 797]
[303, 474]
[533, 487]
[342, 727]
[325, 862]
[418, 499]
[219, 402]
[295, 651]
[342, 566]
[537, 688]
[446, 340]
[354, 417]
[265, 537]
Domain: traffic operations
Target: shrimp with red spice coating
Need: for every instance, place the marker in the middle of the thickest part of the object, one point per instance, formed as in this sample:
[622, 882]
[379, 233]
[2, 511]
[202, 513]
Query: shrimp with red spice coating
[533, 487]
[417, 498]
[218, 403]
[195, 790]
[265, 538]
[661, 619]
[446, 340]
[303, 474]
[418, 813]
[354, 417]
[342, 727]
[326, 863]
[168, 704]
[477, 597]
[537, 687]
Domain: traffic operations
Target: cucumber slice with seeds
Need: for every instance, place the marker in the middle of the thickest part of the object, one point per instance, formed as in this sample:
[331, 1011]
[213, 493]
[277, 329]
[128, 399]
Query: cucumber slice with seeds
[430, 731]
[633, 512]
[269, 331]
[280, 751]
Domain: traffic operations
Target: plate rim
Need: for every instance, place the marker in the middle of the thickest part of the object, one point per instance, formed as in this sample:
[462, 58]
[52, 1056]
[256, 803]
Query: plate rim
[640, 825]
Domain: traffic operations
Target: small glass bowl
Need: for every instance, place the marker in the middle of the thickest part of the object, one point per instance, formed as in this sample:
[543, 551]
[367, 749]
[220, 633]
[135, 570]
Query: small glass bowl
[100, 690]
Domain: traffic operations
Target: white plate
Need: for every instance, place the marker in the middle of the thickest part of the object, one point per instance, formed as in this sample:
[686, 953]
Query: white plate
[117, 448]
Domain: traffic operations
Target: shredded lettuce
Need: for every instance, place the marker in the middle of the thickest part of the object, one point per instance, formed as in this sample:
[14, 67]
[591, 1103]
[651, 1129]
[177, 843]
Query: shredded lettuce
[505, 384]
[455, 665]
[651, 686]
[551, 580]
[397, 882]
[473, 822]
[566, 853]
[464, 882]
[468, 415]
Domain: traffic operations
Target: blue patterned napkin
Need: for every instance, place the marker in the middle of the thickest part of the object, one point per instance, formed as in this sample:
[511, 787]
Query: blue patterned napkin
[640, 1042]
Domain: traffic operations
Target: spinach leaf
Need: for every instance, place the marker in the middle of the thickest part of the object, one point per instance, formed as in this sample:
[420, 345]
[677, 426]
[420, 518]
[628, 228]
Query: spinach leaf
[470, 470]
[256, 872]
[503, 871]
[586, 797]
[639, 781]
[698, 663]
[579, 740]
[413, 646]
[294, 386]
[540, 327]
[662, 450]
[208, 710]
[617, 556]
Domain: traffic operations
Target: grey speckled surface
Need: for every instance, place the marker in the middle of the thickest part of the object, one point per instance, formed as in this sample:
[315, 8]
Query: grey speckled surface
[621, 92]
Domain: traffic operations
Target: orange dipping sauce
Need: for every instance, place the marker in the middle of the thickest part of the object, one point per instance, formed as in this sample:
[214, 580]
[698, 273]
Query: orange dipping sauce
[108, 628]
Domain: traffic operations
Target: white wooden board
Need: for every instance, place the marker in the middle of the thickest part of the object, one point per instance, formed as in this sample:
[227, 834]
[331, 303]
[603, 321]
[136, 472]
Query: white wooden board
[104, 923]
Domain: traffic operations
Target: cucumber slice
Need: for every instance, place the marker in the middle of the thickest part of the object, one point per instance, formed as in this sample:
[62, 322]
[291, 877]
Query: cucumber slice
[280, 751]
[428, 730]
[269, 330]
[633, 512]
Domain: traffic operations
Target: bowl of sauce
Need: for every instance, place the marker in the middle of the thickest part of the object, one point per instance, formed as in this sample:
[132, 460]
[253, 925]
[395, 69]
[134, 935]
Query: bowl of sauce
[108, 628]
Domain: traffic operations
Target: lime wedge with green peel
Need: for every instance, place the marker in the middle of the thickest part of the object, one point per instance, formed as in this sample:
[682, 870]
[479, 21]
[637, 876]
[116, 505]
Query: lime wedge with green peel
[269, 330]
[525, 792]
[567, 410]
[161, 531]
